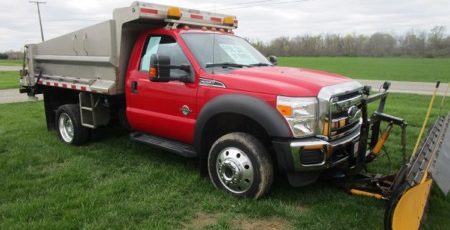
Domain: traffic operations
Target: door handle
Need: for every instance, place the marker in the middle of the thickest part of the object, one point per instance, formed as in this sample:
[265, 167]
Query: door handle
[134, 86]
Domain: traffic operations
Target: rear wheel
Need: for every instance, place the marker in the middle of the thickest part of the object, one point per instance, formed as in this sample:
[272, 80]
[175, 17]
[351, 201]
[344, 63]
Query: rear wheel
[69, 127]
[240, 164]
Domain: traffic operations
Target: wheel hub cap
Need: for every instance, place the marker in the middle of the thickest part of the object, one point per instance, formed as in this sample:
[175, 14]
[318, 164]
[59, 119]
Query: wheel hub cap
[235, 170]
[65, 127]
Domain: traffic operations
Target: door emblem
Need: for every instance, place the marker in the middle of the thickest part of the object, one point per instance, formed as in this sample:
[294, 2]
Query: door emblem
[185, 110]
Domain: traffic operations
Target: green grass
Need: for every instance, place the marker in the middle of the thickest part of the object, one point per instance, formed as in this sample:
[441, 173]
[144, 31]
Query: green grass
[9, 80]
[116, 183]
[11, 62]
[394, 69]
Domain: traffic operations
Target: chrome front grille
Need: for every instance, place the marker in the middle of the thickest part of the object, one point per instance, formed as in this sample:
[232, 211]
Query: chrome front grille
[339, 111]
[345, 115]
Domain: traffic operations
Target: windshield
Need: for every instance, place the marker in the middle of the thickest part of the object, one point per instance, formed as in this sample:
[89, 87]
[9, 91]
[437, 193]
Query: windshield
[221, 50]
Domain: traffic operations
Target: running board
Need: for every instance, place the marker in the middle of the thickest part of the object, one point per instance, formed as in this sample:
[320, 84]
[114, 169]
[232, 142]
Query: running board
[176, 147]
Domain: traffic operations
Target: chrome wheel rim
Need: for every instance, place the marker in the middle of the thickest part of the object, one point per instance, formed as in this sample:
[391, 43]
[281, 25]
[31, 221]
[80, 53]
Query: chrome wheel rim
[235, 170]
[65, 127]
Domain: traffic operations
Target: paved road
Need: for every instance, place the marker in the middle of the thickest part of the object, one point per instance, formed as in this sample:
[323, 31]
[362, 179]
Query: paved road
[407, 87]
[13, 95]
[10, 68]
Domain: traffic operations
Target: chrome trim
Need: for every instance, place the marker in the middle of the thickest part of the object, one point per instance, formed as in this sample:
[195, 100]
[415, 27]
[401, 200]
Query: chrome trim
[345, 140]
[308, 142]
[318, 165]
[328, 92]
[297, 144]
[326, 98]
[357, 126]
[340, 161]
[340, 106]
[211, 83]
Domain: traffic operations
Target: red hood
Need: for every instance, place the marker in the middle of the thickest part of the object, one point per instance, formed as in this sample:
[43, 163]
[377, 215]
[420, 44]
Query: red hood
[280, 80]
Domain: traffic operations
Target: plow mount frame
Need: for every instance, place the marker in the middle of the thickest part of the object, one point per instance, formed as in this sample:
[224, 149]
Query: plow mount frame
[406, 192]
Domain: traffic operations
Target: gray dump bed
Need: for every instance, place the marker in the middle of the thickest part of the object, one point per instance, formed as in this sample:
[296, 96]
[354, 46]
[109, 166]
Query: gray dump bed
[95, 58]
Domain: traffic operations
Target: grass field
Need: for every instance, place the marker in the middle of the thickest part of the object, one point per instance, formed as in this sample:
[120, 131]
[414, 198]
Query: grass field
[398, 69]
[9, 80]
[10, 62]
[116, 183]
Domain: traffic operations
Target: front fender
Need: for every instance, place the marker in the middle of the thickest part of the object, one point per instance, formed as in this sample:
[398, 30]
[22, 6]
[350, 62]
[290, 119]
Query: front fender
[251, 107]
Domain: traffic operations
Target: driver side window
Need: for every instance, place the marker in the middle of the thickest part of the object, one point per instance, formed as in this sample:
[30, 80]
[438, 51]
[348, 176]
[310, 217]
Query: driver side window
[163, 45]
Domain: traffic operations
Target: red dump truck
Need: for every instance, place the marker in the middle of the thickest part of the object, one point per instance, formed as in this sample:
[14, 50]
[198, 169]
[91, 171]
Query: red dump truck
[180, 80]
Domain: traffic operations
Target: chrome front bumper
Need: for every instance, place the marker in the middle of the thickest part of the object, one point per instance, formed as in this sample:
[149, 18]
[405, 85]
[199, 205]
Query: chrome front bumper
[321, 154]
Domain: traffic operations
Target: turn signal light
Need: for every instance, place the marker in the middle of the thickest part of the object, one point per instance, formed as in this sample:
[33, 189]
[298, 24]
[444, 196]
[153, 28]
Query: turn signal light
[152, 72]
[285, 110]
[174, 13]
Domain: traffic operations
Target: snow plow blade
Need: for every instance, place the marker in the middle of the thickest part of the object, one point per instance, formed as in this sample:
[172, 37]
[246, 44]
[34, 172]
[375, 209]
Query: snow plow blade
[411, 187]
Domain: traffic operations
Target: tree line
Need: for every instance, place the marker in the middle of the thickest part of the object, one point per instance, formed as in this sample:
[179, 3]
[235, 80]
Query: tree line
[11, 55]
[434, 43]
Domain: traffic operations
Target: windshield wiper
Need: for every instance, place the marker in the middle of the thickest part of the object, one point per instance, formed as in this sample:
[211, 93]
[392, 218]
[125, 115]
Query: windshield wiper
[225, 65]
[259, 64]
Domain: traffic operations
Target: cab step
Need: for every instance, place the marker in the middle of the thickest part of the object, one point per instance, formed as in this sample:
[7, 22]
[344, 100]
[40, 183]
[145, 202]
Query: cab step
[176, 147]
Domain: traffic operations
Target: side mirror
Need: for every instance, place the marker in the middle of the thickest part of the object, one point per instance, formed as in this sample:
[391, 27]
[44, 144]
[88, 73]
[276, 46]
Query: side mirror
[273, 59]
[160, 70]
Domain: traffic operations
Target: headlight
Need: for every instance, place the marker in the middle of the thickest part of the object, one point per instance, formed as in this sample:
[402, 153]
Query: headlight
[300, 113]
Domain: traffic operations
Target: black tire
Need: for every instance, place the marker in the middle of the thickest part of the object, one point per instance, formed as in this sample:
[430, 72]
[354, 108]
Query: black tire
[230, 154]
[80, 134]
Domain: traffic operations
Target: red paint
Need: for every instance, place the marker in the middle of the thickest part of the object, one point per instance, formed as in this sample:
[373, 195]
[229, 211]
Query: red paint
[149, 11]
[215, 19]
[197, 16]
[55, 84]
[156, 107]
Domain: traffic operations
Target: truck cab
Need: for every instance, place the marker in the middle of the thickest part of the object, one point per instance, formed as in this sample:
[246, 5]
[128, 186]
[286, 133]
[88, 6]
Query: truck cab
[239, 78]
[188, 85]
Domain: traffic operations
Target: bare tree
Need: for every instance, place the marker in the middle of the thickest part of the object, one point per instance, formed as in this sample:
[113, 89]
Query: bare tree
[434, 44]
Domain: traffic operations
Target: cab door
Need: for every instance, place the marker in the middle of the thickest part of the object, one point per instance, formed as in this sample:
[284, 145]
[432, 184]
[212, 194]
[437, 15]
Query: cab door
[165, 109]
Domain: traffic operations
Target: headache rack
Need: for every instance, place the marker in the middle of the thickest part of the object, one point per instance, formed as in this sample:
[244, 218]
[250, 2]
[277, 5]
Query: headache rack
[94, 59]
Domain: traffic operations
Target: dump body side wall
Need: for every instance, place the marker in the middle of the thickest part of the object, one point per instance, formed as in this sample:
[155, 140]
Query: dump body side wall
[87, 56]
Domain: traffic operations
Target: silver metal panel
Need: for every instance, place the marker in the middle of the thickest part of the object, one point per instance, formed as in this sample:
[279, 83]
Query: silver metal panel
[86, 55]
[91, 41]
[441, 168]
[62, 58]
[103, 86]
[102, 51]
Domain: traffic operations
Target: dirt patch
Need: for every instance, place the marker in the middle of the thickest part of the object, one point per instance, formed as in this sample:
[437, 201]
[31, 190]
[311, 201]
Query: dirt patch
[203, 219]
[258, 224]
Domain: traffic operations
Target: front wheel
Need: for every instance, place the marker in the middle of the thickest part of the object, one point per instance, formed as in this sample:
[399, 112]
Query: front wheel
[240, 164]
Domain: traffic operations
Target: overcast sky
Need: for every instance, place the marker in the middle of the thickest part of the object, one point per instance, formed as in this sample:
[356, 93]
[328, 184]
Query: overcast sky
[258, 19]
